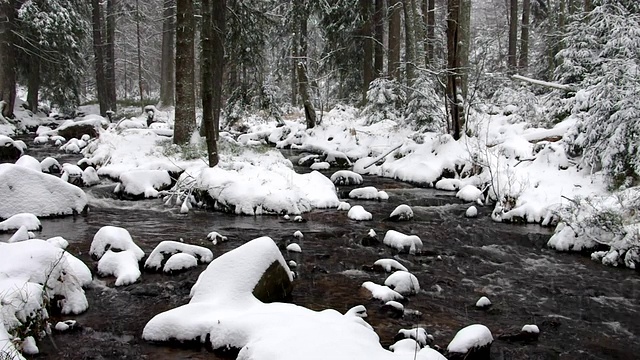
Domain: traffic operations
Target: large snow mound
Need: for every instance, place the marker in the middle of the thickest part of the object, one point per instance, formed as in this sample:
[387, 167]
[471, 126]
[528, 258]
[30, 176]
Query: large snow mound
[116, 239]
[145, 183]
[223, 310]
[29, 221]
[23, 190]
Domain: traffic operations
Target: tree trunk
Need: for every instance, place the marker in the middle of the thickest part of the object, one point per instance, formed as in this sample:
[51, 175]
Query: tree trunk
[98, 56]
[212, 67]
[139, 54]
[167, 66]
[367, 36]
[309, 109]
[409, 43]
[378, 34]
[524, 37]
[110, 59]
[430, 15]
[33, 83]
[464, 46]
[588, 5]
[419, 34]
[7, 58]
[294, 77]
[456, 116]
[185, 114]
[393, 65]
[513, 35]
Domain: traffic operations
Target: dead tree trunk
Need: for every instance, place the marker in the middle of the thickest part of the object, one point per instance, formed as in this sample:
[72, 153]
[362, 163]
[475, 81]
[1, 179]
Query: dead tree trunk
[185, 114]
[167, 66]
[309, 109]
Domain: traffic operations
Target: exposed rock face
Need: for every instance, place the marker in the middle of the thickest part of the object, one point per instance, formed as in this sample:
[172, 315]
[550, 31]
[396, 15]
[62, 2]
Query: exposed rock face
[10, 151]
[274, 285]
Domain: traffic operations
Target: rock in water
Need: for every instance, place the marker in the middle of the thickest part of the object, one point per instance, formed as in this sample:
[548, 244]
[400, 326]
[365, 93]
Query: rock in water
[471, 343]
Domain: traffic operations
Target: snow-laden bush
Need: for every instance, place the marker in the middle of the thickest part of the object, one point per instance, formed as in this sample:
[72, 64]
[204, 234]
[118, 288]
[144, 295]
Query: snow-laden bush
[602, 60]
[385, 101]
[611, 220]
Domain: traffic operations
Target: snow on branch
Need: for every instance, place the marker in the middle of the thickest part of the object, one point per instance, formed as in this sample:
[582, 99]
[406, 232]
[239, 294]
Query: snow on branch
[544, 83]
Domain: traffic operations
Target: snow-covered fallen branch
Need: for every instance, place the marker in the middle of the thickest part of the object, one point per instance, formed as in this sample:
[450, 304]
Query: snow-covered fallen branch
[544, 83]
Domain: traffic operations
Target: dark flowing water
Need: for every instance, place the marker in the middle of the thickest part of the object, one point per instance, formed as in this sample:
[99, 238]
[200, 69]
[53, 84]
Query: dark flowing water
[583, 309]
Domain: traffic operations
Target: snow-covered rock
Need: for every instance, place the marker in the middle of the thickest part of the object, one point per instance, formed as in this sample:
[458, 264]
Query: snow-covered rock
[471, 212]
[29, 162]
[531, 329]
[123, 265]
[368, 193]
[21, 234]
[293, 247]
[389, 265]
[179, 262]
[116, 239]
[419, 334]
[24, 190]
[10, 150]
[483, 302]
[344, 206]
[381, 292]
[472, 338]
[403, 282]
[144, 183]
[90, 176]
[71, 173]
[50, 165]
[166, 249]
[401, 242]
[65, 325]
[298, 234]
[358, 213]
[401, 212]
[448, 184]
[320, 166]
[30, 221]
[346, 177]
[216, 237]
[469, 193]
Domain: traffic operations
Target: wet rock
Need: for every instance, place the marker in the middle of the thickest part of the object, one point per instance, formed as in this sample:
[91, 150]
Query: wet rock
[370, 241]
[391, 310]
[471, 343]
[274, 285]
[9, 150]
[528, 334]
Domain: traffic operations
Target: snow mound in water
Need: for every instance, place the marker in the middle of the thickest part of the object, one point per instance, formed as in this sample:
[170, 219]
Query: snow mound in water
[346, 177]
[469, 193]
[471, 337]
[358, 213]
[402, 212]
[368, 193]
[323, 165]
[30, 221]
[114, 238]
[403, 282]
[402, 242]
[145, 183]
[24, 190]
[381, 292]
[170, 248]
[123, 265]
[389, 265]
[449, 184]
[179, 262]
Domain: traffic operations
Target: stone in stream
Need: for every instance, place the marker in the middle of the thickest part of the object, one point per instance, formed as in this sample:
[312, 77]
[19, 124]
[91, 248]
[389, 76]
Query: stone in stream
[10, 150]
[402, 212]
[528, 333]
[471, 343]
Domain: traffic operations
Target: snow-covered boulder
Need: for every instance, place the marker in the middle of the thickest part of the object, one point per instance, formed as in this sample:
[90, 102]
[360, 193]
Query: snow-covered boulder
[403, 282]
[382, 292]
[29, 162]
[30, 221]
[21, 234]
[166, 249]
[401, 212]
[404, 243]
[90, 124]
[293, 247]
[469, 193]
[389, 265]
[180, 262]
[471, 212]
[448, 184]
[143, 183]
[371, 239]
[72, 174]
[216, 237]
[368, 193]
[472, 342]
[322, 165]
[393, 308]
[10, 150]
[419, 334]
[90, 176]
[344, 206]
[483, 303]
[358, 213]
[24, 190]
[123, 265]
[116, 239]
[346, 177]
[50, 165]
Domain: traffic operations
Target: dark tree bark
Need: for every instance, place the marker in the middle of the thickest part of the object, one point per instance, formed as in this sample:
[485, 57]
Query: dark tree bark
[378, 34]
[430, 15]
[294, 70]
[98, 56]
[309, 109]
[409, 42]
[454, 88]
[167, 66]
[110, 58]
[301, 15]
[367, 34]
[185, 114]
[212, 66]
[394, 39]
[513, 35]
[7, 58]
[33, 83]
[523, 63]
[464, 46]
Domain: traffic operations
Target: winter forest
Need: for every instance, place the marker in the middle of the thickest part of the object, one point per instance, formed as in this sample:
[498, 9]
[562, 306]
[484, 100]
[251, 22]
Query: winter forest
[319, 179]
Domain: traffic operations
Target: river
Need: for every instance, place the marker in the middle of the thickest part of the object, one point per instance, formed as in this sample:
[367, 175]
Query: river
[583, 309]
